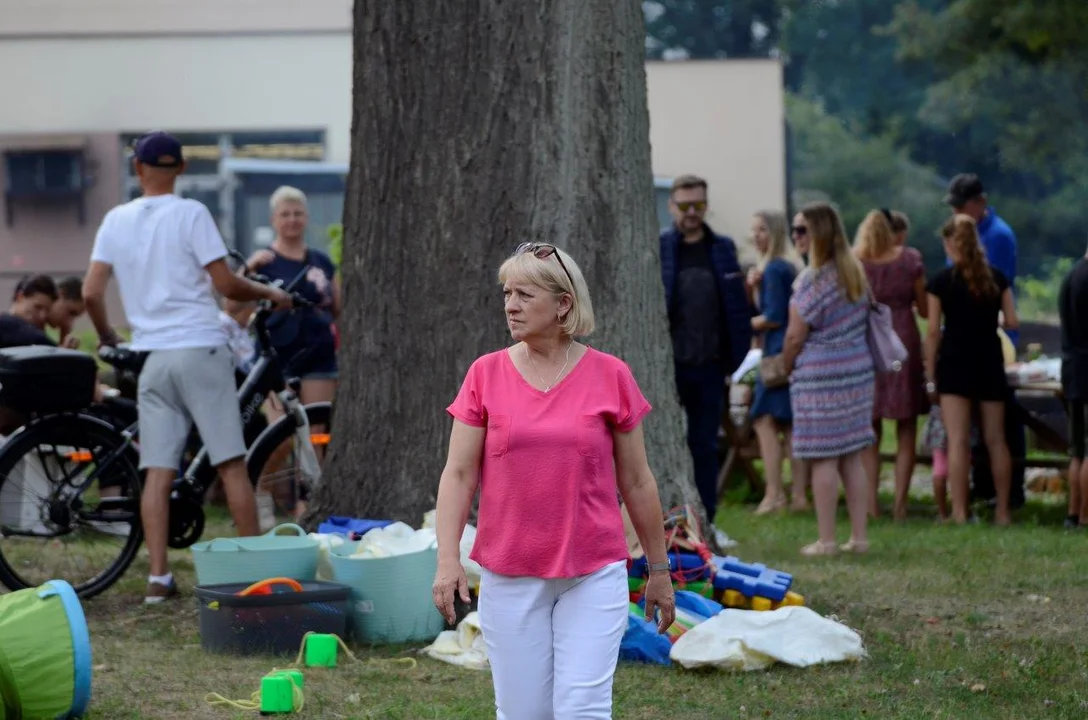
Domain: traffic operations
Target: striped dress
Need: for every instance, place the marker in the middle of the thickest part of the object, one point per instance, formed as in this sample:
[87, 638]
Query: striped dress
[831, 389]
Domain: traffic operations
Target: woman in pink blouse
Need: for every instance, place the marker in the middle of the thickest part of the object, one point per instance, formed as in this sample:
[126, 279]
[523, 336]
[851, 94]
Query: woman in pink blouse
[550, 429]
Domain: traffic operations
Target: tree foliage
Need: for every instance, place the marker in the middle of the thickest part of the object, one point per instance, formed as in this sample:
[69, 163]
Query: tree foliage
[1011, 88]
[711, 28]
[859, 174]
[995, 87]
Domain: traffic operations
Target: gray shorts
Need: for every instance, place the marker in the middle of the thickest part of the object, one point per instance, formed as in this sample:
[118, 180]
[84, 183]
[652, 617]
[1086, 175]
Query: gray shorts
[179, 388]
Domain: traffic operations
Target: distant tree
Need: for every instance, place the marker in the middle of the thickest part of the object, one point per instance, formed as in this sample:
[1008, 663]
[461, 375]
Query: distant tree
[1012, 89]
[711, 28]
[859, 174]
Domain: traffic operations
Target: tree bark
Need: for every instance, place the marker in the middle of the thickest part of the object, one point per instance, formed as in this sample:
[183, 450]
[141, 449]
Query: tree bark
[479, 124]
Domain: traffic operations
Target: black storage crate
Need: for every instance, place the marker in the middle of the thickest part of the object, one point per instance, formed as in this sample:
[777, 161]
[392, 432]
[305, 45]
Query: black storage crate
[45, 379]
[270, 624]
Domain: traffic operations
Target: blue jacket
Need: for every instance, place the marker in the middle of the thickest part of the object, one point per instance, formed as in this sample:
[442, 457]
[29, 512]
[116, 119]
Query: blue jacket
[736, 316]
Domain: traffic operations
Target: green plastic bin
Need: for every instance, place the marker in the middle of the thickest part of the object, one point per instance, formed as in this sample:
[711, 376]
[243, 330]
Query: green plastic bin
[391, 596]
[45, 654]
[225, 561]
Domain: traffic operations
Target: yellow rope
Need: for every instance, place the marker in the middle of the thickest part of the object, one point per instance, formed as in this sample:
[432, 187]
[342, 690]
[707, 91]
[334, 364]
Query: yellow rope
[406, 661]
[254, 702]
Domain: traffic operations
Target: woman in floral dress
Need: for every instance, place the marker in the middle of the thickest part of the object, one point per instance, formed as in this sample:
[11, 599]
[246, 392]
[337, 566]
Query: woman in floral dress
[831, 385]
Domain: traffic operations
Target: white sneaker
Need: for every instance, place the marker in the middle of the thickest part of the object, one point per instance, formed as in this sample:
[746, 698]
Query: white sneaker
[117, 529]
[723, 540]
[266, 511]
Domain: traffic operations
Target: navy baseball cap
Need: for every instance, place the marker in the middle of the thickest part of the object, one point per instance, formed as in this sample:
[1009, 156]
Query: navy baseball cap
[963, 188]
[158, 149]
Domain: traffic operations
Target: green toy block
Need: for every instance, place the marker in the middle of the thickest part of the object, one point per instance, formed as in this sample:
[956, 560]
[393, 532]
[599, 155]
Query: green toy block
[294, 675]
[277, 694]
[321, 650]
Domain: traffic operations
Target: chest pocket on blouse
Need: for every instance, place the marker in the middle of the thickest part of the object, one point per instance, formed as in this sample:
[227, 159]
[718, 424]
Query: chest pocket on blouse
[591, 429]
[497, 440]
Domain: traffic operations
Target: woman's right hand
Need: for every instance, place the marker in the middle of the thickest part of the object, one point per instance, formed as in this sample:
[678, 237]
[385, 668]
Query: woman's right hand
[449, 583]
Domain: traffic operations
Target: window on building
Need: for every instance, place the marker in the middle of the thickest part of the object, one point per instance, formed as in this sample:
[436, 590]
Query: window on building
[46, 174]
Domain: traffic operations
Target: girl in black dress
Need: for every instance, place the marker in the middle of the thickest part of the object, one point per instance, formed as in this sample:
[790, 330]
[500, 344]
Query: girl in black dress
[964, 361]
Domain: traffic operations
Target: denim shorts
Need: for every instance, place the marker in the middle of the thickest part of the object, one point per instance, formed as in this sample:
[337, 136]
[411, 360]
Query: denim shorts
[318, 362]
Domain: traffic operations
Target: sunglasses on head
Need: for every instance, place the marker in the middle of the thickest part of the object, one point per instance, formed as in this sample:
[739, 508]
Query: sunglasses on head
[699, 205]
[543, 251]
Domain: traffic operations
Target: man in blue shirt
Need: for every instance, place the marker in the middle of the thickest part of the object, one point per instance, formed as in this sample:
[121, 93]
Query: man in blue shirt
[709, 323]
[966, 195]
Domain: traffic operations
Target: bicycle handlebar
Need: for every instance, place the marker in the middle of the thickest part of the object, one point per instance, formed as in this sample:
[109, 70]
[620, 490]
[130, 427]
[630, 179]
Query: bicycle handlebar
[122, 358]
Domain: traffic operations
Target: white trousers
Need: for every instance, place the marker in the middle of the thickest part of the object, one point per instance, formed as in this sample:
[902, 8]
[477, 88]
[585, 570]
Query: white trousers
[553, 644]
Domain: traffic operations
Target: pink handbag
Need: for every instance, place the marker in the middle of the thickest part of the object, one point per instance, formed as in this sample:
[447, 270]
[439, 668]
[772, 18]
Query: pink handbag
[889, 353]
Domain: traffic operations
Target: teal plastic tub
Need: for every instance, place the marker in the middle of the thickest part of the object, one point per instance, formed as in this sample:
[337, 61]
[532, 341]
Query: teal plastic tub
[391, 596]
[225, 561]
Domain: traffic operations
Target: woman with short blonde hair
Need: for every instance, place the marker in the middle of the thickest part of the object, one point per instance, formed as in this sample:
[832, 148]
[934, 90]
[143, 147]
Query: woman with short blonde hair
[304, 339]
[549, 429]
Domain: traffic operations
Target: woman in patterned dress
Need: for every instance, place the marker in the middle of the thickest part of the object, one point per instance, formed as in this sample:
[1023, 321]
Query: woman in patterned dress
[831, 385]
[898, 279]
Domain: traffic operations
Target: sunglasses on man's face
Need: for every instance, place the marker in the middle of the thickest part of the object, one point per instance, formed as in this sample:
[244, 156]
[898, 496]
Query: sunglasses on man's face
[799, 230]
[698, 205]
[543, 251]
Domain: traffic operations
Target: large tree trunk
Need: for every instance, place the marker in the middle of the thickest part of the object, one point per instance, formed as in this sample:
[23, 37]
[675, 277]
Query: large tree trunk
[478, 125]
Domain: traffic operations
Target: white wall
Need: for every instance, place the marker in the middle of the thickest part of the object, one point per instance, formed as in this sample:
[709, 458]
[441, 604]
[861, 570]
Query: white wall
[191, 83]
[170, 17]
[722, 120]
[719, 119]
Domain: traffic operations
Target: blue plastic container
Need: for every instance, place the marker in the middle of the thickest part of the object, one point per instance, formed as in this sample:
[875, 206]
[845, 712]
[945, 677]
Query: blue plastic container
[223, 561]
[391, 596]
[346, 526]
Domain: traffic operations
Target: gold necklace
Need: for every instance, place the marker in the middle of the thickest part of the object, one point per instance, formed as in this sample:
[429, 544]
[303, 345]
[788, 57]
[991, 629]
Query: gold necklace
[548, 387]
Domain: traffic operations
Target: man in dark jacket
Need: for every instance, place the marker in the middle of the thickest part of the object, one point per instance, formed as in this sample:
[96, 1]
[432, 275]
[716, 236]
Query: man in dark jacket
[709, 321]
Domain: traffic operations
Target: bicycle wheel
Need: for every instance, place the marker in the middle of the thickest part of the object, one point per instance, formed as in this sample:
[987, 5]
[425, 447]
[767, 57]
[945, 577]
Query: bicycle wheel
[274, 465]
[69, 504]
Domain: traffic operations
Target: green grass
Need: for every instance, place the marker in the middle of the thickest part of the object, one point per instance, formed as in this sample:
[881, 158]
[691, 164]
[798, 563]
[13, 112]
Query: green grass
[952, 617]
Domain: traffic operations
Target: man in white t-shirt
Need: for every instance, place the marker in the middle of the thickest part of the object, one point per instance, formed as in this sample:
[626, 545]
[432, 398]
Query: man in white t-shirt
[168, 256]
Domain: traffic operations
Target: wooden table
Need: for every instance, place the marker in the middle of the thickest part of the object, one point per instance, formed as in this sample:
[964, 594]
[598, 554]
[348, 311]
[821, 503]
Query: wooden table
[1038, 394]
[1047, 436]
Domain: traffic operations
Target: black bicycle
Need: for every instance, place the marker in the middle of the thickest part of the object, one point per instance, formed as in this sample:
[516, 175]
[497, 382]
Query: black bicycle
[70, 484]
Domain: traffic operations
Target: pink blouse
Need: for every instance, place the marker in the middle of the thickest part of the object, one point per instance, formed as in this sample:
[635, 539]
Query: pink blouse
[548, 505]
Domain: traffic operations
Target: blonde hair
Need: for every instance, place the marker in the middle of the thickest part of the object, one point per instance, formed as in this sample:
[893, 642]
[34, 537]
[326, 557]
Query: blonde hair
[829, 245]
[550, 276]
[875, 236]
[286, 193]
[961, 233]
[779, 245]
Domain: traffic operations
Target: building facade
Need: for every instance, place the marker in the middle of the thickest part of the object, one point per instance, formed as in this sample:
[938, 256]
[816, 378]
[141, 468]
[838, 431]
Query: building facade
[259, 91]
